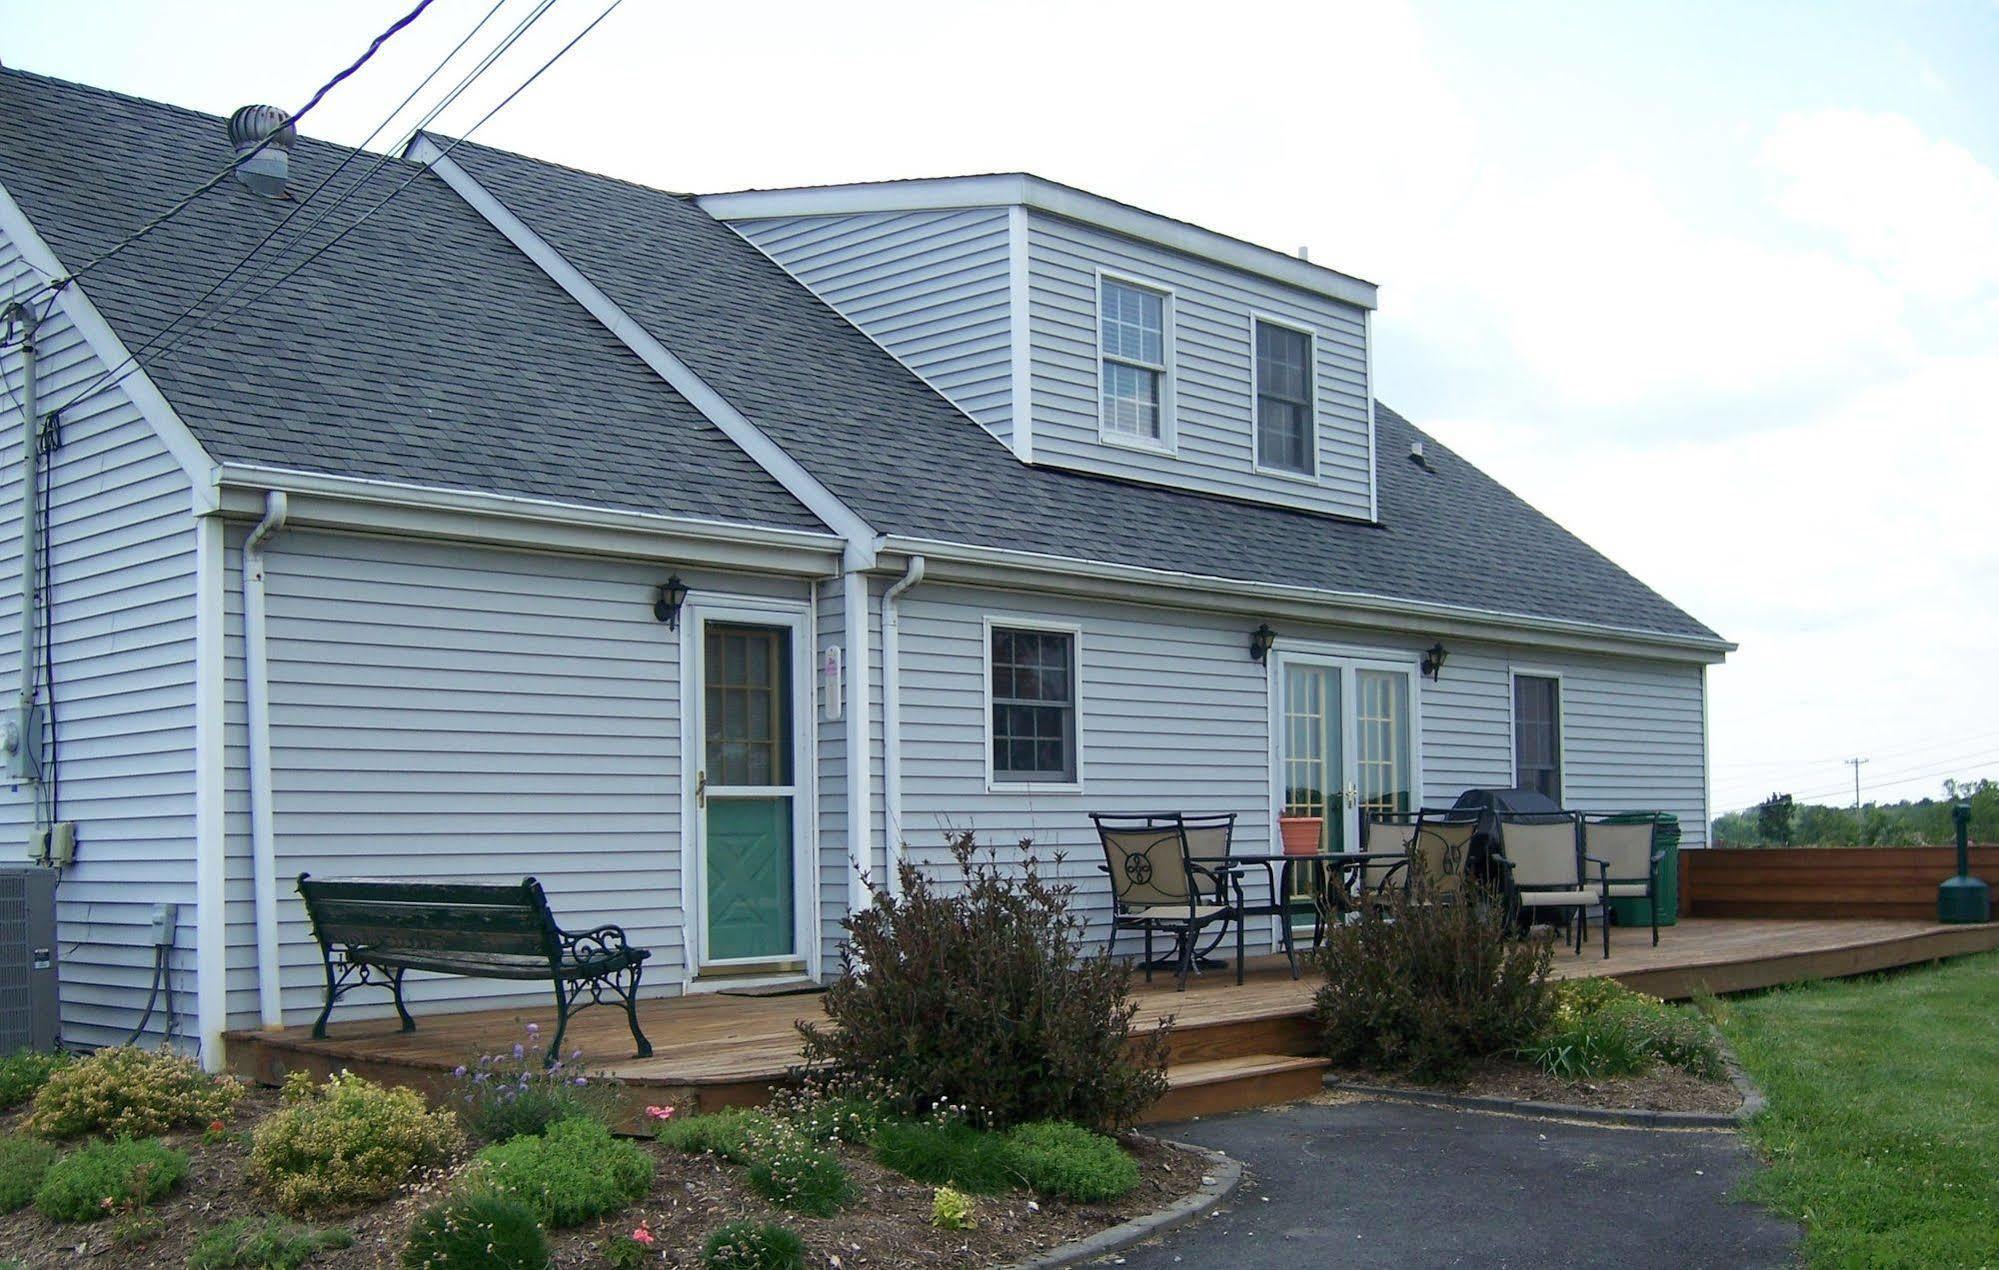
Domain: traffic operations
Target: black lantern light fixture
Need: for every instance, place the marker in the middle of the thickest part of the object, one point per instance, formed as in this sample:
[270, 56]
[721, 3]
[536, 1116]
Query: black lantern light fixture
[1261, 641]
[672, 594]
[1433, 660]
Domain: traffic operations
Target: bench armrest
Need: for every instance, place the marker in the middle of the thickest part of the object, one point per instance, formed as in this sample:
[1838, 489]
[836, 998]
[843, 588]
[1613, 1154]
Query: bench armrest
[608, 939]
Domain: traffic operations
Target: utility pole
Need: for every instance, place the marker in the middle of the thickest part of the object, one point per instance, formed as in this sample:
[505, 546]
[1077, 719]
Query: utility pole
[1855, 763]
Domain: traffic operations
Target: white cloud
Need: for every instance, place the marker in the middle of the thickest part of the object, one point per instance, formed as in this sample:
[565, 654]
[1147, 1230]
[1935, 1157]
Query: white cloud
[1923, 211]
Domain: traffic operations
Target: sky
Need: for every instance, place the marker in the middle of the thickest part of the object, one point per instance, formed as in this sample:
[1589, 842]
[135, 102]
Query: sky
[1714, 285]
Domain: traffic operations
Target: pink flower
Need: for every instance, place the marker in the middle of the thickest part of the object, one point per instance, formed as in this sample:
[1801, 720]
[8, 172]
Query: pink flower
[643, 1235]
[660, 1113]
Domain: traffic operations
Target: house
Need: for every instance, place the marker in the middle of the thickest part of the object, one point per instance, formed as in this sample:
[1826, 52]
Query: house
[704, 556]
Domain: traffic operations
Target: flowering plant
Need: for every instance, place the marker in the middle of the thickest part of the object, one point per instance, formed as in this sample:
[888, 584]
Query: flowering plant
[511, 1093]
[634, 1249]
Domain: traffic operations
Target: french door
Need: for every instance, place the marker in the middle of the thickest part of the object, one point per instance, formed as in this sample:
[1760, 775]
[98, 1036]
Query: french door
[749, 895]
[1346, 745]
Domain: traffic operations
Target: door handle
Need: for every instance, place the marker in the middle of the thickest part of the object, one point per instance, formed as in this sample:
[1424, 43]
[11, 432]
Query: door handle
[701, 790]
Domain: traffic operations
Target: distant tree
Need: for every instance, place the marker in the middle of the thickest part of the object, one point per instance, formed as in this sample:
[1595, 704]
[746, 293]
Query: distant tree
[1776, 818]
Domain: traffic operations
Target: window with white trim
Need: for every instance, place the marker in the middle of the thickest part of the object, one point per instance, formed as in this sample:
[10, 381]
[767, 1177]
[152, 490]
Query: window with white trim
[1033, 705]
[1131, 324]
[1284, 432]
[1537, 734]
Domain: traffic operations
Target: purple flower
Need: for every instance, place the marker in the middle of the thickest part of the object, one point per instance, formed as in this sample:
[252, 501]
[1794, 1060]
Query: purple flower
[582, 1080]
[520, 1050]
[459, 1071]
[534, 1029]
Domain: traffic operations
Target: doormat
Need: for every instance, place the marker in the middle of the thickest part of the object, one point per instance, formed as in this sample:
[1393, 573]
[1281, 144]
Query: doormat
[788, 988]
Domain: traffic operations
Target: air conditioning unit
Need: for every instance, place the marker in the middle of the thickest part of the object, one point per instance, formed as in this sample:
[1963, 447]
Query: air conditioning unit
[29, 1017]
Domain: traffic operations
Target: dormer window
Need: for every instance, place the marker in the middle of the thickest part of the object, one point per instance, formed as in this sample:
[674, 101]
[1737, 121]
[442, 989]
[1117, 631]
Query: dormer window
[1285, 438]
[1133, 346]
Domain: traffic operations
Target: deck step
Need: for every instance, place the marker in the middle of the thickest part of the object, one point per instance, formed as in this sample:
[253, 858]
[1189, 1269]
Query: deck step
[1231, 1084]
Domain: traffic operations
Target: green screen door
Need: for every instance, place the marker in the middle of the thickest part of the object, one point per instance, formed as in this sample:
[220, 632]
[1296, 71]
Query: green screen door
[746, 791]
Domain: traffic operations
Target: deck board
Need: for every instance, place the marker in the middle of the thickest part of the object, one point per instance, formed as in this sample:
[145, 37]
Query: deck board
[731, 1048]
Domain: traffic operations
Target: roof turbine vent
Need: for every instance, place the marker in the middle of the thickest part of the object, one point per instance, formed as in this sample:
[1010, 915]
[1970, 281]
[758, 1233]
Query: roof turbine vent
[266, 169]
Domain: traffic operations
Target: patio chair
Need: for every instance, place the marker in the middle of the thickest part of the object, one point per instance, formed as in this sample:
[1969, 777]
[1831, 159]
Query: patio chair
[1440, 845]
[1389, 835]
[1629, 856]
[1158, 883]
[1541, 857]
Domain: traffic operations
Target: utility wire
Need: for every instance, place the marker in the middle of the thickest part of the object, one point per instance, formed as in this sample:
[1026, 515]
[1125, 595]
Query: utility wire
[1907, 776]
[219, 316]
[240, 159]
[118, 373]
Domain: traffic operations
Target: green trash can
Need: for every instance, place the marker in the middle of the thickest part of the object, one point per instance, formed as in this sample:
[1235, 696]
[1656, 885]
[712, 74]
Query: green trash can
[1638, 912]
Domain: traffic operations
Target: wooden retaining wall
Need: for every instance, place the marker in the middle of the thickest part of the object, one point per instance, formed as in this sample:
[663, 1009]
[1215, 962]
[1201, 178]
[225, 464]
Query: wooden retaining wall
[1822, 881]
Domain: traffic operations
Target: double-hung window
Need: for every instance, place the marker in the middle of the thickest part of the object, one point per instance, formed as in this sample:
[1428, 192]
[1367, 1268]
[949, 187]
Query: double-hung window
[1537, 734]
[1131, 325]
[1284, 434]
[1033, 705]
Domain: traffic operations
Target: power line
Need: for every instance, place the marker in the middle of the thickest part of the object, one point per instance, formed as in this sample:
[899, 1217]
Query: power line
[114, 375]
[410, 181]
[139, 353]
[240, 159]
[1907, 776]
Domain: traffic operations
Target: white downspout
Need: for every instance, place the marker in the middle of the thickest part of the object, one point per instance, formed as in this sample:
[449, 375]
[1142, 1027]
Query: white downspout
[894, 849]
[860, 821]
[257, 699]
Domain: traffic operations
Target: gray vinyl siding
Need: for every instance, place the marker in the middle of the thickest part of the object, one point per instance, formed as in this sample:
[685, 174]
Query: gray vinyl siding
[458, 713]
[121, 551]
[1175, 715]
[1213, 389]
[930, 287]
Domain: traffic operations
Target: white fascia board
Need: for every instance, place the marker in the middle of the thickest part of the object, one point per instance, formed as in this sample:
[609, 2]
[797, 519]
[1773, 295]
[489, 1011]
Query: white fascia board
[1027, 571]
[770, 456]
[1053, 198]
[136, 384]
[360, 505]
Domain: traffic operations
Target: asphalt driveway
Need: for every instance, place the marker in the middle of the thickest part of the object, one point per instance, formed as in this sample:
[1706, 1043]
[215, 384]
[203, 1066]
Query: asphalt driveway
[1378, 1183]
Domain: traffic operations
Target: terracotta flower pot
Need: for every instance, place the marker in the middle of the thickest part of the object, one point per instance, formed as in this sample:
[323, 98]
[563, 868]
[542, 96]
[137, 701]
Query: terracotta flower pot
[1300, 833]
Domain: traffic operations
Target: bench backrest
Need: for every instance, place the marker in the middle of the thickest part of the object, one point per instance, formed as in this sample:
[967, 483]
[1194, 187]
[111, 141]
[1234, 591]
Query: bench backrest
[461, 917]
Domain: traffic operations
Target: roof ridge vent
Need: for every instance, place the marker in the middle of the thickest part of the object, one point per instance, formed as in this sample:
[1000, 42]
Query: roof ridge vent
[263, 170]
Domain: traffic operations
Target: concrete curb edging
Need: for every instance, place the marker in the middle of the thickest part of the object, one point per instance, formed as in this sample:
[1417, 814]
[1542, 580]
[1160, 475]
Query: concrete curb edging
[1753, 1101]
[1221, 1178]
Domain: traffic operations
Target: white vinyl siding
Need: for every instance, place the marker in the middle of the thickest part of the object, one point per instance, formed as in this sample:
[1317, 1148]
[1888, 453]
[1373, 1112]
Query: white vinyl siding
[120, 543]
[1211, 387]
[930, 287]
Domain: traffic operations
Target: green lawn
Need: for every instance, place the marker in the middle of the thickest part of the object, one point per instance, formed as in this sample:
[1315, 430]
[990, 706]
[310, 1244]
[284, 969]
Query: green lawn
[1883, 1126]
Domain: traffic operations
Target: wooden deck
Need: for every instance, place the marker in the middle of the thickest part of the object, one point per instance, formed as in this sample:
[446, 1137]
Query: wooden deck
[1231, 1046]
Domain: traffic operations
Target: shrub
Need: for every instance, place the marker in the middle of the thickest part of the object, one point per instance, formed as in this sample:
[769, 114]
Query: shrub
[24, 1162]
[748, 1245]
[25, 1071]
[510, 1094]
[951, 1209]
[1601, 1028]
[980, 995]
[1427, 986]
[725, 1133]
[946, 1153]
[126, 1091]
[102, 1178]
[347, 1142]
[483, 1230]
[790, 1171]
[571, 1173]
[1069, 1162]
[267, 1244]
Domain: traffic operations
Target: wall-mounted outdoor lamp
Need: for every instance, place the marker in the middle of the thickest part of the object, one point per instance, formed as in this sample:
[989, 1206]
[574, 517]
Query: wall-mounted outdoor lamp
[1433, 660]
[672, 594]
[1260, 642]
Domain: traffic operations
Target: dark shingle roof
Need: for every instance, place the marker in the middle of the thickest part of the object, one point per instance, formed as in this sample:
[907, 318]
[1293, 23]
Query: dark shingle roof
[423, 348]
[911, 463]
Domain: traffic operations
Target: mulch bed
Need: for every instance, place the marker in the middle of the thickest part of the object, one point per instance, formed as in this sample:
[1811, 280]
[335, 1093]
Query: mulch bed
[691, 1196]
[1661, 1089]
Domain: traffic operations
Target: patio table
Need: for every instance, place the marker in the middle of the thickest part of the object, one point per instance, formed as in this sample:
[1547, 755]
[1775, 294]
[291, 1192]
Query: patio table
[1320, 861]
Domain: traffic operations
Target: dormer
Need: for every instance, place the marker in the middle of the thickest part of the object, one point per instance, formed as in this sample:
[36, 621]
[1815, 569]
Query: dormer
[1088, 334]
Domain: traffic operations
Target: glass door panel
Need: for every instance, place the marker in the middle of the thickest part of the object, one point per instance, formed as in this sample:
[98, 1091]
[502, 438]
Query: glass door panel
[1382, 774]
[746, 794]
[1314, 766]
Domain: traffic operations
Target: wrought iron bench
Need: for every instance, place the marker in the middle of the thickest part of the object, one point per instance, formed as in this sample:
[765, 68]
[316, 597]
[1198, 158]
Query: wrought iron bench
[371, 933]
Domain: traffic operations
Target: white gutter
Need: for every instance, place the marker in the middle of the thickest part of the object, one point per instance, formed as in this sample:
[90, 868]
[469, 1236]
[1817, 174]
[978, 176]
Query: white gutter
[257, 708]
[860, 820]
[894, 849]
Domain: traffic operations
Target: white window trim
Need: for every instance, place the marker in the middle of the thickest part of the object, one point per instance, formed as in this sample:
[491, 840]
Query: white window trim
[1022, 623]
[1256, 463]
[1561, 726]
[1169, 432]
